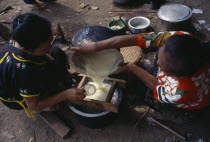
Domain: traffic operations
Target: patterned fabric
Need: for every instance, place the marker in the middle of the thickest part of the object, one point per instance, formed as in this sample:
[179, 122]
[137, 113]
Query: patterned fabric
[171, 113]
[188, 93]
[24, 75]
[152, 39]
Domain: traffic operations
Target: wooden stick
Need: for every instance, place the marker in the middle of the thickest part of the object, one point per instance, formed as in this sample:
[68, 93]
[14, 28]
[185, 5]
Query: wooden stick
[82, 82]
[167, 128]
[121, 83]
[6, 22]
[111, 92]
[53, 41]
[145, 113]
[60, 33]
[5, 10]
[127, 27]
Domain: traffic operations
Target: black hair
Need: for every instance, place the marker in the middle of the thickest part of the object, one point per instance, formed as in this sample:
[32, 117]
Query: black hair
[30, 30]
[187, 54]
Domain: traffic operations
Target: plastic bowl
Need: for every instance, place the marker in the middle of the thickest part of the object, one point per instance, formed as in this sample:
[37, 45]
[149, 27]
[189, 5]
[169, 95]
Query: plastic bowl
[117, 26]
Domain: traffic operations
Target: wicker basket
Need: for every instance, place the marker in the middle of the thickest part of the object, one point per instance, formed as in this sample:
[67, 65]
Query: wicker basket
[131, 54]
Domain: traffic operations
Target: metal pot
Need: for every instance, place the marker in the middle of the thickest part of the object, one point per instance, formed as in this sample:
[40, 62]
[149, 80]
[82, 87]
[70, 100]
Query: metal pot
[95, 33]
[138, 24]
[100, 119]
[175, 16]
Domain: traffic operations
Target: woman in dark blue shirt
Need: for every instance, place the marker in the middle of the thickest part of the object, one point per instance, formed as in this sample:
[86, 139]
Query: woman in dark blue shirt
[29, 77]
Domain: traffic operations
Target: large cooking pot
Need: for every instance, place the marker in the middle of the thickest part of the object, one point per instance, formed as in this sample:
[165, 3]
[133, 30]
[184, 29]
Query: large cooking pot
[95, 119]
[95, 33]
[175, 17]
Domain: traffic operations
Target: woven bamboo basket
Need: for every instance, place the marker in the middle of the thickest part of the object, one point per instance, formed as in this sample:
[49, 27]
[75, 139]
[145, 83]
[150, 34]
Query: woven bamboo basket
[131, 54]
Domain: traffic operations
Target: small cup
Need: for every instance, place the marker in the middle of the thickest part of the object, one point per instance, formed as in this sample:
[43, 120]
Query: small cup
[138, 24]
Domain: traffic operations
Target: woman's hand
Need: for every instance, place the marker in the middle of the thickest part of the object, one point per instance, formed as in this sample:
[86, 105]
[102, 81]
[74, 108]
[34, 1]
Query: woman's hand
[86, 45]
[74, 95]
[123, 67]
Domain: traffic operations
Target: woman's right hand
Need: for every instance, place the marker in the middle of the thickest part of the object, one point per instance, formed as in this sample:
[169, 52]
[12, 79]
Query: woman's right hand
[74, 95]
[123, 67]
[86, 45]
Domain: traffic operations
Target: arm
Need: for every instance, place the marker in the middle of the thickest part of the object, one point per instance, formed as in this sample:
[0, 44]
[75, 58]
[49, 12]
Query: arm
[32, 82]
[116, 42]
[87, 45]
[144, 40]
[38, 103]
[150, 81]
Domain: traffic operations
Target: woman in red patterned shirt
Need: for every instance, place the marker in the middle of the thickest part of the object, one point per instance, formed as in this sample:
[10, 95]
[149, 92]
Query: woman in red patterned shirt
[181, 87]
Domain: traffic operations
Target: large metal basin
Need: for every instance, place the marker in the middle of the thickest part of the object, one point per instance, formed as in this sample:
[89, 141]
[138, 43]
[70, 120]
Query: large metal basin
[99, 119]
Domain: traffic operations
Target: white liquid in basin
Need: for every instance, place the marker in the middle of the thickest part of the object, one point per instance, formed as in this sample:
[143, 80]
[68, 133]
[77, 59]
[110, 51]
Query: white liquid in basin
[100, 94]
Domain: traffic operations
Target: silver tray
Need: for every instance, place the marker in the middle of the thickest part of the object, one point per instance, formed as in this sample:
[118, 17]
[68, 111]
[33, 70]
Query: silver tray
[174, 12]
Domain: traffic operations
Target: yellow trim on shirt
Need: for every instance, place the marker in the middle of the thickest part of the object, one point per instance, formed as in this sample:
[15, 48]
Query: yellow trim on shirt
[8, 100]
[26, 60]
[5, 55]
[27, 110]
[35, 95]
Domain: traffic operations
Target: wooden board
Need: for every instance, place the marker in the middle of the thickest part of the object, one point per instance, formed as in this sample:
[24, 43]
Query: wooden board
[119, 82]
[111, 92]
[106, 105]
[102, 105]
[55, 123]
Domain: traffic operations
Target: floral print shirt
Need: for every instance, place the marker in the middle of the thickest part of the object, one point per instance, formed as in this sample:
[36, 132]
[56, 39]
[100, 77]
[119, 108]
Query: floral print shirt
[190, 92]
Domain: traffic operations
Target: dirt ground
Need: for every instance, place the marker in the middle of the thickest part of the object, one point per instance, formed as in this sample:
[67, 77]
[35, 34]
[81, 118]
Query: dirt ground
[123, 129]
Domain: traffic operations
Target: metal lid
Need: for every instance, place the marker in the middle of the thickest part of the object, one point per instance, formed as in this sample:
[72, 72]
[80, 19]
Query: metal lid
[174, 12]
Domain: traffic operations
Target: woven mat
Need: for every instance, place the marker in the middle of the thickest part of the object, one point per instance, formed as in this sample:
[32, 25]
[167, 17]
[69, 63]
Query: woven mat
[131, 54]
